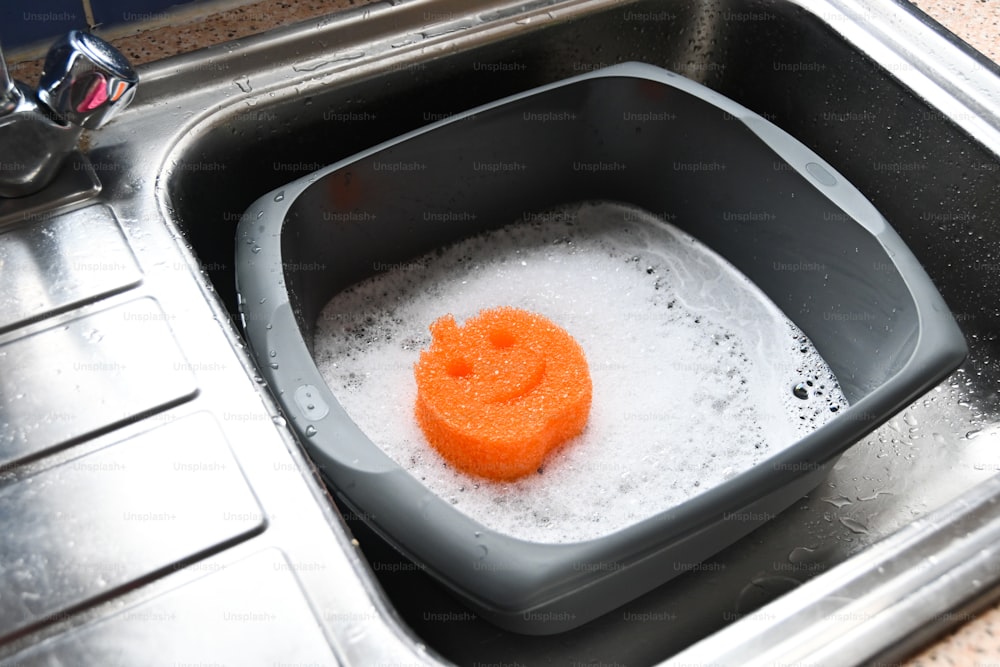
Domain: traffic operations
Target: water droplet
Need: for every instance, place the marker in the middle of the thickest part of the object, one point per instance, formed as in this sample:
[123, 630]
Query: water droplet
[310, 67]
[874, 495]
[310, 430]
[280, 196]
[273, 365]
[255, 249]
[483, 551]
[762, 590]
[356, 633]
[801, 555]
[800, 391]
[353, 55]
[839, 501]
[244, 84]
[854, 525]
[279, 421]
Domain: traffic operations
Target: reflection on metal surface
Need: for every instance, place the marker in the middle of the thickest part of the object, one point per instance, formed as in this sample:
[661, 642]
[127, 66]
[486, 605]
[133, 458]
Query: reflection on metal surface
[930, 568]
[87, 376]
[85, 80]
[50, 266]
[95, 524]
[75, 182]
[216, 620]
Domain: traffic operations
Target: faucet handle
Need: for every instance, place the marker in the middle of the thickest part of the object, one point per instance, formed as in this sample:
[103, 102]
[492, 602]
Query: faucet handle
[85, 80]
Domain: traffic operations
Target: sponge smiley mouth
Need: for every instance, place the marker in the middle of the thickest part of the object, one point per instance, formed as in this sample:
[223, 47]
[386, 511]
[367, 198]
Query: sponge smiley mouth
[497, 394]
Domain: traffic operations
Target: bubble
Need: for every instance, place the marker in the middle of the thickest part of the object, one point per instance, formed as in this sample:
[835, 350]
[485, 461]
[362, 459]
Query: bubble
[691, 366]
[801, 390]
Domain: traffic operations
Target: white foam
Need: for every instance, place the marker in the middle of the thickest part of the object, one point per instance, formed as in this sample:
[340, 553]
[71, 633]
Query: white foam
[692, 366]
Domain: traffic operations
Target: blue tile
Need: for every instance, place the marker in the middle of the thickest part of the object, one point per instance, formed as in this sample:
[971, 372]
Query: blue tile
[24, 22]
[117, 12]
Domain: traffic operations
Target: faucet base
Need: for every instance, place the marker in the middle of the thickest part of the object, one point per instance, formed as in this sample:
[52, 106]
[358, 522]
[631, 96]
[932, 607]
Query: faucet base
[75, 182]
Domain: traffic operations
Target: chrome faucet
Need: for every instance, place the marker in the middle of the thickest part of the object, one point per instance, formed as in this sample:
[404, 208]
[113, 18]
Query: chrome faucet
[84, 82]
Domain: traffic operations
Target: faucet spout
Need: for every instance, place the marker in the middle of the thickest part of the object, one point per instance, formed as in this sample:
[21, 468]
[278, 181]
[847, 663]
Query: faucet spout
[8, 90]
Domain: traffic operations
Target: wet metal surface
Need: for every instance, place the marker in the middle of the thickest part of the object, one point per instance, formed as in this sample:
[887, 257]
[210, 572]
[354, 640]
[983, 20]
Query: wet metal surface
[86, 376]
[215, 620]
[109, 519]
[49, 266]
[75, 182]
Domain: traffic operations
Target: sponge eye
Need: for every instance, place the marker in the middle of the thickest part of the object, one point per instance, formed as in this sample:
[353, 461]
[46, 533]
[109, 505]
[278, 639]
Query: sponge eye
[458, 367]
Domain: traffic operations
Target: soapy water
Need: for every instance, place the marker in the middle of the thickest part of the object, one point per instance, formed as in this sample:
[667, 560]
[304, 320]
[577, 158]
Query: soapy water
[697, 376]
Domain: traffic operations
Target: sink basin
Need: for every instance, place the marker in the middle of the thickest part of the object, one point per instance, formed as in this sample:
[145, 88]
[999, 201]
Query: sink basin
[872, 90]
[870, 311]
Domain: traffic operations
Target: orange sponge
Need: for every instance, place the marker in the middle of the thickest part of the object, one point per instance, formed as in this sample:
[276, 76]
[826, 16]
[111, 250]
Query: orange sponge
[497, 394]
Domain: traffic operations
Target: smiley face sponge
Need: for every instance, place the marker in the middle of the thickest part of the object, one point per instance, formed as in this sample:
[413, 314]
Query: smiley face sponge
[497, 394]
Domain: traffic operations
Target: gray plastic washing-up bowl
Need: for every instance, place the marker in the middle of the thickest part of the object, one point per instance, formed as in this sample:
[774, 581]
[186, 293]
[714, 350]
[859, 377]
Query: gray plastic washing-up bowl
[871, 311]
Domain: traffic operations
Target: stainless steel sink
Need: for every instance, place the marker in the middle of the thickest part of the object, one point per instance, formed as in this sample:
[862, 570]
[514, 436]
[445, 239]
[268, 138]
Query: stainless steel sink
[903, 111]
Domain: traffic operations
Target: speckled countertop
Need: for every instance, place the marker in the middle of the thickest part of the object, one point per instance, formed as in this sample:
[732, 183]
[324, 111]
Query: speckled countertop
[975, 21]
[189, 29]
[974, 644]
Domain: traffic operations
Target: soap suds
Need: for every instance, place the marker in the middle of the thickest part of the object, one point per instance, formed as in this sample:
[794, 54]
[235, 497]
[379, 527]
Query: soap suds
[694, 370]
